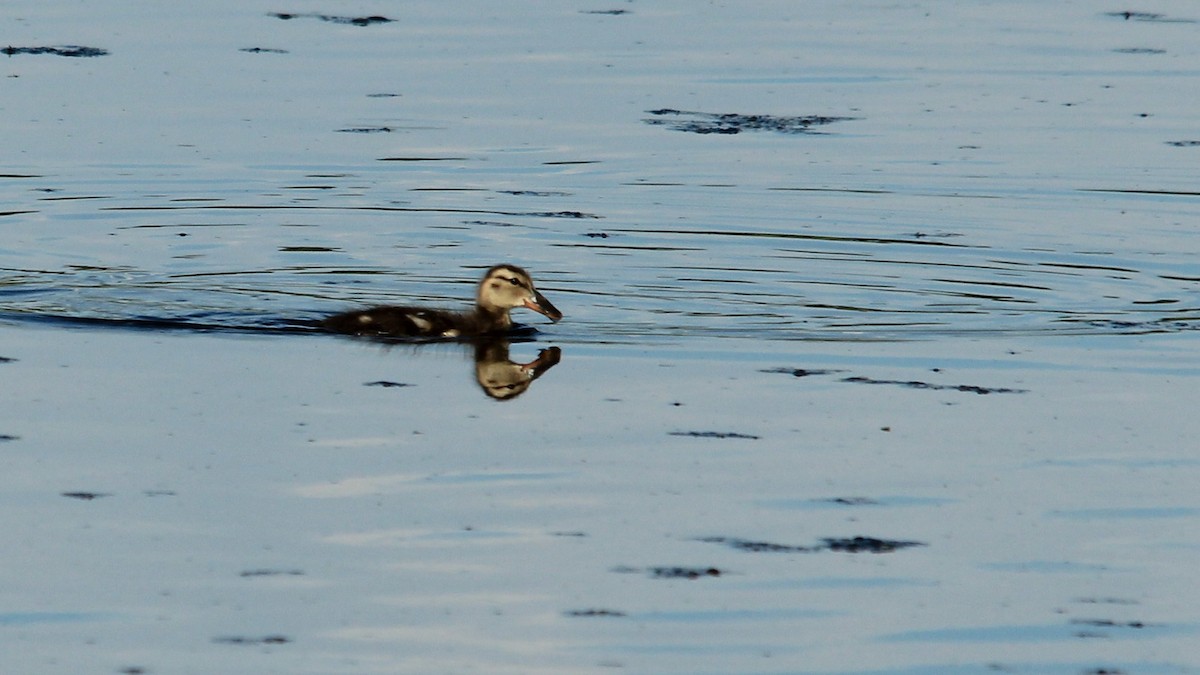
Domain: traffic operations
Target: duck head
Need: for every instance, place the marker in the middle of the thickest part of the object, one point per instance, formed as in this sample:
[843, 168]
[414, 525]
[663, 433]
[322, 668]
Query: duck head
[506, 287]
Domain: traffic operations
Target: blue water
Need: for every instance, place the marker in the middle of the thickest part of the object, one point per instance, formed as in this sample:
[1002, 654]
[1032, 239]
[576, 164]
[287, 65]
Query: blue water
[987, 211]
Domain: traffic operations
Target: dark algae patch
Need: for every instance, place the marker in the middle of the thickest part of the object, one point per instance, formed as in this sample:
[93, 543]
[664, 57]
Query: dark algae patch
[683, 572]
[736, 123]
[850, 501]
[247, 640]
[422, 159]
[1108, 623]
[1139, 50]
[1152, 17]
[1103, 628]
[62, 50]
[757, 546]
[86, 496]
[842, 545]
[799, 372]
[331, 18]
[247, 574]
[593, 613]
[673, 572]
[714, 434]
[868, 545]
[917, 384]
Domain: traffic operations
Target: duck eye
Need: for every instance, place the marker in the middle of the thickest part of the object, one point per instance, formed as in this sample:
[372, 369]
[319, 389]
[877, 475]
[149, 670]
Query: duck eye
[515, 281]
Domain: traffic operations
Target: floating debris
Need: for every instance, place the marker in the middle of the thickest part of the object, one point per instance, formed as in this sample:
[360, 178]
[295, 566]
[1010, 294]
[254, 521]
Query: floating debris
[387, 384]
[263, 50]
[735, 123]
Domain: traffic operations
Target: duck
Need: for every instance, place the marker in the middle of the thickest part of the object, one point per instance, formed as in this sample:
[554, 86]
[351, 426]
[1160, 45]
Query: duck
[503, 287]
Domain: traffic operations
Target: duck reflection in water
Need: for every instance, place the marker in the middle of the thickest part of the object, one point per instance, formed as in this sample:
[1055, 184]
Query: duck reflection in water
[488, 327]
[504, 379]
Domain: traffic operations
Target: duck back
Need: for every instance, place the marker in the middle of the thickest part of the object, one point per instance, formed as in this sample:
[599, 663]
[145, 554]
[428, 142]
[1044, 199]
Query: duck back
[419, 322]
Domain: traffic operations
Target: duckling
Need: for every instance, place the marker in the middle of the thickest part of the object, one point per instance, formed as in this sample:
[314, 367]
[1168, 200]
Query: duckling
[503, 287]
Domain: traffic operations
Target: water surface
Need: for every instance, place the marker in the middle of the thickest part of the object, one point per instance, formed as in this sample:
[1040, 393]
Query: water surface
[836, 278]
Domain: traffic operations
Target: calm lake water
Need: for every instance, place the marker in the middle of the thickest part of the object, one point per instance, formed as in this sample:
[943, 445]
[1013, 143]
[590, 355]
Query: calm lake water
[879, 351]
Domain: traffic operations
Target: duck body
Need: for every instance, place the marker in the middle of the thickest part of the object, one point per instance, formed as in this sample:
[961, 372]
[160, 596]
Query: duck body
[503, 288]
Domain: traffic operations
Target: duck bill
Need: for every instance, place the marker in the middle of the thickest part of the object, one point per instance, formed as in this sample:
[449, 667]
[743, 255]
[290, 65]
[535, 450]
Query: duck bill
[541, 305]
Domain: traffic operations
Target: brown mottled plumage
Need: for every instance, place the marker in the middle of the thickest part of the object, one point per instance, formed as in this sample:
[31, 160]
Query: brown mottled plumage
[504, 287]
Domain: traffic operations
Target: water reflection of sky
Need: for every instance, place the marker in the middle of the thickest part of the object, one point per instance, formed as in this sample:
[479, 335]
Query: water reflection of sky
[242, 197]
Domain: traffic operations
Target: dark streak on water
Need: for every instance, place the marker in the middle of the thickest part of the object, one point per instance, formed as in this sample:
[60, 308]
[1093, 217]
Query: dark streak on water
[271, 573]
[841, 545]
[331, 18]
[714, 434]
[1152, 17]
[673, 572]
[916, 384]
[86, 496]
[252, 641]
[63, 50]
[736, 123]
